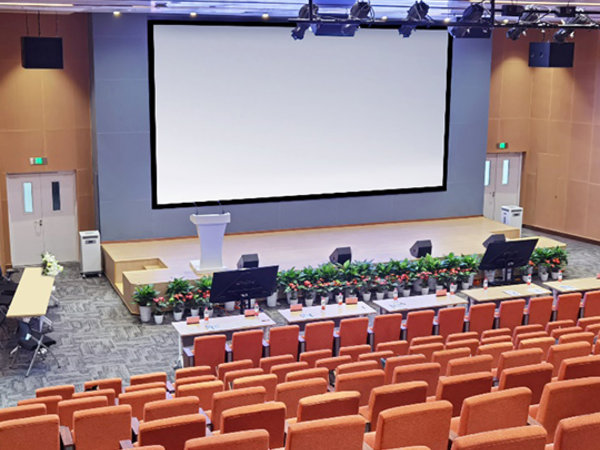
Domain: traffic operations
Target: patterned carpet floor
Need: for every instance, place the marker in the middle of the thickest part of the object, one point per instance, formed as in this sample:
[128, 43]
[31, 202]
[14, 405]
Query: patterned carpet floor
[98, 338]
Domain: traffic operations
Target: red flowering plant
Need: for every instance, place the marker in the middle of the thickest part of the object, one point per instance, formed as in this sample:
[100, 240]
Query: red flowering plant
[404, 281]
[335, 286]
[365, 284]
[381, 284]
[351, 287]
[159, 305]
[322, 288]
[424, 276]
[178, 293]
[292, 289]
[201, 294]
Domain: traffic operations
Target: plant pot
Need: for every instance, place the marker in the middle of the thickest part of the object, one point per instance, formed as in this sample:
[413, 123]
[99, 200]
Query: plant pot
[554, 275]
[308, 301]
[379, 295]
[177, 315]
[425, 291]
[490, 275]
[291, 299]
[406, 292]
[544, 276]
[195, 312]
[229, 306]
[158, 319]
[145, 313]
[272, 300]
[366, 296]
[465, 285]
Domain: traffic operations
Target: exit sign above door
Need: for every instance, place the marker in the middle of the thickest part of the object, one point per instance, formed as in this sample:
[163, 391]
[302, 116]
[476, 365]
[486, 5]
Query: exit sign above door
[38, 161]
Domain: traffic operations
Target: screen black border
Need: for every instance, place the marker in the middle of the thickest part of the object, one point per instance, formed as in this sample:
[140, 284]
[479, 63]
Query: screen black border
[258, 22]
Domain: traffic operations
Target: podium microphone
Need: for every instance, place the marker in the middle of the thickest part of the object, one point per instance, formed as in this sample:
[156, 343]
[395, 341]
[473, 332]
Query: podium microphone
[222, 209]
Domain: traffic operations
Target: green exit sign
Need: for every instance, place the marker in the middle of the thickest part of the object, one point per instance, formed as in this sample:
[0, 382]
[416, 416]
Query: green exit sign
[38, 161]
[502, 145]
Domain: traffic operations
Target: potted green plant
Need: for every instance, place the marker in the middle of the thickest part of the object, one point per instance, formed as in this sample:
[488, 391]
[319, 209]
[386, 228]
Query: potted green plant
[308, 290]
[470, 263]
[424, 277]
[558, 262]
[323, 289]
[177, 292]
[288, 281]
[542, 258]
[201, 296]
[160, 304]
[144, 297]
[380, 286]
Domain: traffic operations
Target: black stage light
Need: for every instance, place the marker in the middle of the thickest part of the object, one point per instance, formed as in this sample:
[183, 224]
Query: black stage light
[360, 10]
[528, 18]
[416, 14]
[580, 19]
[300, 28]
[473, 14]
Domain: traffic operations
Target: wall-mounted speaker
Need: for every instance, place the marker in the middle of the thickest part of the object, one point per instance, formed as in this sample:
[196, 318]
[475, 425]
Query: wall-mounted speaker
[494, 238]
[248, 261]
[41, 52]
[421, 248]
[551, 54]
[340, 255]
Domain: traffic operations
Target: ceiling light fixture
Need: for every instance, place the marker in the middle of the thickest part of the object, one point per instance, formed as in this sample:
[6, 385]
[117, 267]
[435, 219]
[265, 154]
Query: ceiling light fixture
[580, 19]
[416, 14]
[529, 17]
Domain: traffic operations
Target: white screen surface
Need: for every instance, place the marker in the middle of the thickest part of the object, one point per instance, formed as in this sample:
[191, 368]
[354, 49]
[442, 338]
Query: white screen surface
[247, 113]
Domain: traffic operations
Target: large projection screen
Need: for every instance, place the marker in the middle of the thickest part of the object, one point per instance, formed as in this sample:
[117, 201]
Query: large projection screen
[246, 114]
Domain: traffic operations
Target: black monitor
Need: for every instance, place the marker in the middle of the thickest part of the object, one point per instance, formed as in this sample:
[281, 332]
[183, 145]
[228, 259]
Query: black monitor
[244, 284]
[507, 255]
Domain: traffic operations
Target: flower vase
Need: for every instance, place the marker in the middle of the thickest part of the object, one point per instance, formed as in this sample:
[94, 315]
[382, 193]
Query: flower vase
[366, 296]
[177, 315]
[195, 312]
[406, 292]
[425, 290]
[272, 300]
[229, 306]
[145, 313]
[379, 295]
[158, 319]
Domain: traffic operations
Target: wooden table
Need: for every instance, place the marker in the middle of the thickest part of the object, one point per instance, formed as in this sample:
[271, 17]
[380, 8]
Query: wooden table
[573, 285]
[217, 325]
[32, 295]
[332, 312]
[418, 302]
[507, 292]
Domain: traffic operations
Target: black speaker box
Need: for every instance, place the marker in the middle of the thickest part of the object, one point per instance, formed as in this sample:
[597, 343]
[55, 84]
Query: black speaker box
[41, 53]
[494, 238]
[248, 261]
[421, 248]
[551, 54]
[340, 255]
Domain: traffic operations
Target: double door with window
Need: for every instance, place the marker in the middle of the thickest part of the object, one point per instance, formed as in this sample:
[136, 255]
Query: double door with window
[502, 183]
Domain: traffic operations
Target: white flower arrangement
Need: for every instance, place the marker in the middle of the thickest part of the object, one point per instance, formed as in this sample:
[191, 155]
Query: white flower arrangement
[50, 265]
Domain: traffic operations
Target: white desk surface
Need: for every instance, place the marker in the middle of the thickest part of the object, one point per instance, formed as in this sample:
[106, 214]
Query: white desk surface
[574, 285]
[418, 302]
[332, 311]
[224, 324]
[507, 292]
[32, 295]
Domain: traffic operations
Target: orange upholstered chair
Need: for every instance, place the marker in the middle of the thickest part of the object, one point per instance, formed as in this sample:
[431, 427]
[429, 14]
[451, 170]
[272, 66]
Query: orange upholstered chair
[138, 399]
[567, 306]
[204, 391]
[193, 380]
[353, 351]
[333, 433]
[224, 368]
[172, 407]
[425, 349]
[539, 311]
[305, 374]
[450, 321]
[313, 356]
[421, 340]
[154, 377]
[458, 387]
[591, 304]
[496, 332]
[192, 372]
[356, 367]
[19, 434]
[579, 367]
[268, 416]
[362, 382]
[116, 384]
[67, 408]
[222, 401]
[281, 370]
[584, 321]
[331, 404]
[558, 352]
[519, 438]
[534, 377]
[333, 362]
[584, 336]
[66, 391]
[109, 393]
[532, 335]
[268, 381]
[578, 433]
[173, 432]
[242, 440]
[284, 341]
[234, 374]
[353, 331]
[318, 336]
[390, 396]
[419, 323]
[493, 411]
[386, 328]
[427, 372]
[559, 332]
[495, 350]
[398, 348]
[247, 345]
[495, 340]
[472, 364]
[443, 356]
[291, 392]
[270, 361]
[378, 357]
[543, 343]
[145, 386]
[593, 328]
[21, 412]
[510, 313]
[515, 358]
[462, 336]
[51, 402]
[551, 326]
[528, 329]
[397, 361]
[426, 424]
[481, 317]
[209, 350]
[101, 428]
[472, 344]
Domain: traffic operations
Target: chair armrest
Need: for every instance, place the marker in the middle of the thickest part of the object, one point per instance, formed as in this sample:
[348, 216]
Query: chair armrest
[126, 444]
[170, 387]
[135, 426]
[452, 435]
[188, 354]
[66, 438]
[532, 421]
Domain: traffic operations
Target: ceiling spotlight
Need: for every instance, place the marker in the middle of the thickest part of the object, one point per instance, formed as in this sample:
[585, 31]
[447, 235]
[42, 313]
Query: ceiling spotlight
[580, 19]
[447, 20]
[416, 14]
[473, 14]
[361, 10]
[529, 17]
[505, 21]
[265, 16]
[193, 14]
[300, 28]
[116, 13]
[384, 18]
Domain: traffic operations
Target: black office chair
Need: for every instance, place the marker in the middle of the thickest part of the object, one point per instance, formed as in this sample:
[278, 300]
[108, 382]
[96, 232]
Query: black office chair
[34, 341]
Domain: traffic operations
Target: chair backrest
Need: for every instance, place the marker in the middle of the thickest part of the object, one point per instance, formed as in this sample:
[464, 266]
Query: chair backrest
[116, 384]
[356, 367]
[313, 356]
[172, 407]
[443, 356]
[378, 357]
[515, 358]
[471, 364]
[419, 323]
[481, 317]
[531, 335]
[192, 372]
[392, 395]
[154, 377]
[495, 350]
[173, 432]
[551, 326]
[579, 367]
[109, 393]
[209, 350]
[247, 345]
[242, 440]
[427, 372]
[51, 402]
[268, 381]
[223, 368]
[232, 375]
[458, 387]
[558, 352]
[433, 339]
[21, 412]
[591, 304]
[66, 391]
[397, 361]
[319, 335]
[268, 416]
[305, 374]
[333, 362]
[284, 341]
[203, 391]
[529, 328]
[101, 428]
[495, 340]
[519, 438]
[425, 424]
[559, 332]
[334, 433]
[567, 306]
[568, 398]
[67, 408]
[497, 332]
[354, 351]
[584, 336]
[472, 344]
[462, 336]
[331, 404]
[18, 434]
[146, 386]
[362, 382]
[534, 377]
[425, 349]
[386, 328]
[543, 343]
[281, 370]
[194, 380]
[578, 433]
[398, 348]
[511, 313]
[222, 401]
[540, 310]
[291, 392]
[138, 399]
[270, 361]
[451, 320]
[353, 331]
[584, 321]
[495, 410]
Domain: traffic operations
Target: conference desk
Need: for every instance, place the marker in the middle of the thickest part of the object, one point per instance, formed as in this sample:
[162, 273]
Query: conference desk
[507, 292]
[32, 295]
[418, 302]
[573, 285]
[333, 312]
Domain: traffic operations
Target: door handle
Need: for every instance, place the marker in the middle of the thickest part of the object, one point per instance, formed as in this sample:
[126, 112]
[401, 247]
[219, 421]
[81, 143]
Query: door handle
[41, 223]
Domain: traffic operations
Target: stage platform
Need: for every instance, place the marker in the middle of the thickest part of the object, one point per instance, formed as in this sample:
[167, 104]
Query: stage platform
[133, 263]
